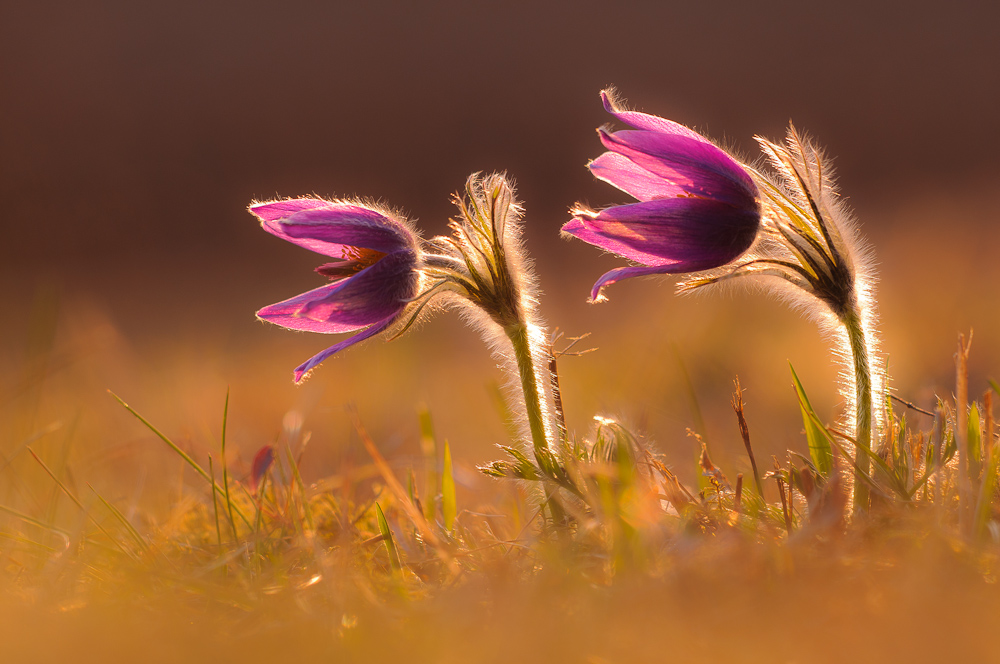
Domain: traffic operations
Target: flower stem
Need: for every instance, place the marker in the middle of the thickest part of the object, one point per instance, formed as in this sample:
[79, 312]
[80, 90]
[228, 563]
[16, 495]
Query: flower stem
[518, 335]
[862, 405]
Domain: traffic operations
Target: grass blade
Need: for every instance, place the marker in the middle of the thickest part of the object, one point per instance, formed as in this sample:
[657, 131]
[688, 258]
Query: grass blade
[35, 522]
[430, 537]
[215, 504]
[390, 544]
[819, 445]
[449, 506]
[895, 483]
[828, 434]
[184, 455]
[984, 505]
[76, 501]
[121, 519]
[975, 444]
[225, 468]
[303, 492]
[428, 445]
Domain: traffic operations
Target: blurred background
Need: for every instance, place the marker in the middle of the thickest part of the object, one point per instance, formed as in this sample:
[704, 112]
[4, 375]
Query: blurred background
[133, 136]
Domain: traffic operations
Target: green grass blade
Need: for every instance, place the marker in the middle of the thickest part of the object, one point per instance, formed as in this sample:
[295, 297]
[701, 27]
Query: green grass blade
[390, 544]
[449, 506]
[975, 438]
[5, 460]
[184, 455]
[303, 492]
[411, 487]
[225, 468]
[76, 501]
[984, 505]
[819, 445]
[428, 445]
[121, 519]
[33, 521]
[62, 464]
[215, 504]
[896, 484]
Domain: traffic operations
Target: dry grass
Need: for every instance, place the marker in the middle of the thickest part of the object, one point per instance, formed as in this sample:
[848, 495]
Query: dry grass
[112, 551]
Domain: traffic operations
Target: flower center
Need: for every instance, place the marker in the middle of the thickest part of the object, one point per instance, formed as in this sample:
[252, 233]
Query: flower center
[354, 260]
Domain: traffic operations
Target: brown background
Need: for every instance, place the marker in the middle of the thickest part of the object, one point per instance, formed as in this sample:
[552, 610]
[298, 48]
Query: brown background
[133, 135]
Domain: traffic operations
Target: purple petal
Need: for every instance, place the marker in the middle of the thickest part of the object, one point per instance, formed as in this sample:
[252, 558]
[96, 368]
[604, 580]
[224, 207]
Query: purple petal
[624, 273]
[684, 234]
[332, 229]
[631, 178]
[609, 237]
[698, 168]
[378, 292]
[274, 210]
[314, 361]
[288, 313]
[649, 122]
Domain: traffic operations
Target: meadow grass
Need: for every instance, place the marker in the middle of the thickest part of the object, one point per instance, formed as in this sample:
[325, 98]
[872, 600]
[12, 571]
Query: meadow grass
[365, 541]
[392, 558]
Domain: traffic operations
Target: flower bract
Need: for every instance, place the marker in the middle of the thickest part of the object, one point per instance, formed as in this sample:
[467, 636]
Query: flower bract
[375, 273]
[697, 208]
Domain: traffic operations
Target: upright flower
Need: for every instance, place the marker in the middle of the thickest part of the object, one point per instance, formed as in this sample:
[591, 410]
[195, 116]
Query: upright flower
[375, 273]
[698, 207]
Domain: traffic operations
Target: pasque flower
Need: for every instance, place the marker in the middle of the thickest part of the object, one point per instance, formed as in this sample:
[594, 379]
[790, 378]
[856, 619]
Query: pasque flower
[697, 208]
[375, 273]
[809, 251]
[700, 210]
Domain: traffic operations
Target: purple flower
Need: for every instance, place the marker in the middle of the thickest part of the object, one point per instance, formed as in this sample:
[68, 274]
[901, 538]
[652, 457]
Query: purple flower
[375, 274]
[697, 206]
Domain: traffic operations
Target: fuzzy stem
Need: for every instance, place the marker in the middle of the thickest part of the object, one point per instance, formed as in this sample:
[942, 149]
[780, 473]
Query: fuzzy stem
[518, 335]
[862, 404]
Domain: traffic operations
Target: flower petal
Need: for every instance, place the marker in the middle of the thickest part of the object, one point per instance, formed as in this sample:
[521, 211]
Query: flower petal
[377, 292]
[624, 273]
[331, 229]
[622, 172]
[274, 210]
[315, 360]
[649, 122]
[287, 313]
[686, 234]
[698, 168]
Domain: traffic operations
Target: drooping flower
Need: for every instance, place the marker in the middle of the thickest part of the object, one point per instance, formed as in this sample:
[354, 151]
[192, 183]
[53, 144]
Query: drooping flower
[386, 277]
[698, 207]
[811, 253]
[375, 273]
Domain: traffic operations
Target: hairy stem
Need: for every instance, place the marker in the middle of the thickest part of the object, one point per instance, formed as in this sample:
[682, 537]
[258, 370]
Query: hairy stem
[518, 335]
[862, 404]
